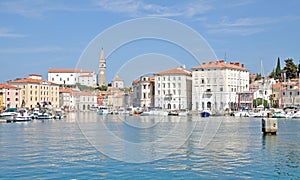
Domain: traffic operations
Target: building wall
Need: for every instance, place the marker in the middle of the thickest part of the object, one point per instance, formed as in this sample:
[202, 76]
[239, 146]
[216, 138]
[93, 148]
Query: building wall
[36, 92]
[173, 91]
[87, 78]
[217, 88]
[11, 98]
[63, 78]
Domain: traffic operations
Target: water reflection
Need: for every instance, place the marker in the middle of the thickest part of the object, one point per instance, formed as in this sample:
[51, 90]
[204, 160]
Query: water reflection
[57, 149]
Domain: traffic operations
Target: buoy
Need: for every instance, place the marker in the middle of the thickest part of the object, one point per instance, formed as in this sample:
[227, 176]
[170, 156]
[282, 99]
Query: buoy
[269, 125]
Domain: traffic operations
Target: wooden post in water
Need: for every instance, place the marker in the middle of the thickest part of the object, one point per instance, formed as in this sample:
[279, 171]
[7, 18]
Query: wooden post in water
[269, 125]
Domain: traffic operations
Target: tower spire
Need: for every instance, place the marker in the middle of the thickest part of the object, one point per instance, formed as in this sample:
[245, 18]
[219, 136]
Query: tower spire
[102, 69]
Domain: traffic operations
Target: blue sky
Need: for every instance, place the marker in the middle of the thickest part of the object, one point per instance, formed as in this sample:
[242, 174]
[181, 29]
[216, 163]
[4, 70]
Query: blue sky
[42, 34]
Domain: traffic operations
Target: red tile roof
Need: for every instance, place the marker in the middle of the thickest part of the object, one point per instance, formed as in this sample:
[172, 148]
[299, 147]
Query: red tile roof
[7, 86]
[30, 80]
[177, 71]
[221, 64]
[65, 90]
[69, 71]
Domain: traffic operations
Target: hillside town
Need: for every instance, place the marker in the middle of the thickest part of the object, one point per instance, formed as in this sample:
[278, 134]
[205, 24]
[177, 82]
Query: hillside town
[219, 87]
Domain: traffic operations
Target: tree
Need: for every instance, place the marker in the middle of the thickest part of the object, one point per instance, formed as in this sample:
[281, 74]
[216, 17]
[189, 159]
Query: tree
[273, 74]
[258, 77]
[278, 69]
[290, 69]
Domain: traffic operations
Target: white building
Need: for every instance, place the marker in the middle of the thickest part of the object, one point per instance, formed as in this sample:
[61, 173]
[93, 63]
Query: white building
[216, 84]
[82, 101]
[173, 89]
[117, 82]
[263, 89]
[143, 92]
[72, 76]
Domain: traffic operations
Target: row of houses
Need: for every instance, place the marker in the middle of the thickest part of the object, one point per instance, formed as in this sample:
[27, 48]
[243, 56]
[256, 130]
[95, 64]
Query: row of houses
[60, 92]
[33, 90]
[215, 85]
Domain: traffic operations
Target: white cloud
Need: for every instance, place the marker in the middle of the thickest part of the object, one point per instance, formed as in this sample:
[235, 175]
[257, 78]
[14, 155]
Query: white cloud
[30, 50]
[7, 33]
[242, 26]
[37, 8]
[140, 8]
[236, 31]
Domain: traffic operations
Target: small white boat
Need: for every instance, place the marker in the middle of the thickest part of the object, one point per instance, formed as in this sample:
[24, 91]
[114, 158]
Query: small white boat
[22, 115]
[42, 116]
[58, 114]
[103, 110]
[241, 114]
[296, 115]
[9, 114]
[279, 114]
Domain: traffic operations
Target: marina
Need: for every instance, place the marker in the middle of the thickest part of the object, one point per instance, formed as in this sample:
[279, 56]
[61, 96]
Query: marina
[238, 150]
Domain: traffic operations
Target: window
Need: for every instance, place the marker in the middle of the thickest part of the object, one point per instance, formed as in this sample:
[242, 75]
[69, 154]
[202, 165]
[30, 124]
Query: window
[17, 93]
[17, 99]
[8, 99]
[291, 93]
[283, 93]
[202, 81]
[221, 88]
[179, 78]
[174, 85]
[158, 85]
[7, 93]
[144, 95]
[144, 86]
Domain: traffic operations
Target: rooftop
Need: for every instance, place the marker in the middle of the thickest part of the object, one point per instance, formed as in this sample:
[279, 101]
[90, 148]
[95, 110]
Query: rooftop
[222, 64]
[7, 86]
[175, 71]
[69, 71]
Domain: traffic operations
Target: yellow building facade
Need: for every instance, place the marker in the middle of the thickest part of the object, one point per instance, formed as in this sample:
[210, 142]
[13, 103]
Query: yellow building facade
[35, 90]
[1, 101]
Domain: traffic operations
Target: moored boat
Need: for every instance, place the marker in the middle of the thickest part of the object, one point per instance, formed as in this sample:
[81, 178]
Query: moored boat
[22, 115]
[103, 110]
[205, 113]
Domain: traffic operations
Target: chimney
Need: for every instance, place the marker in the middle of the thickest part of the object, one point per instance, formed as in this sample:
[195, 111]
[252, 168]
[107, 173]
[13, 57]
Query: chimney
[203, 63]
[243, 66]
[221, 61]
[210, 62]
[237, 64]
[231, 63]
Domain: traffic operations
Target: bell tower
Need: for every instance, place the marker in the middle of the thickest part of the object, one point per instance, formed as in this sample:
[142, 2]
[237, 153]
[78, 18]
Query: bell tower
[102, 69]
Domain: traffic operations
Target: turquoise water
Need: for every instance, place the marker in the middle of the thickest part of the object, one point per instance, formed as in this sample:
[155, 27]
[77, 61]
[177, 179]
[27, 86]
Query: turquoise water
[75, 148]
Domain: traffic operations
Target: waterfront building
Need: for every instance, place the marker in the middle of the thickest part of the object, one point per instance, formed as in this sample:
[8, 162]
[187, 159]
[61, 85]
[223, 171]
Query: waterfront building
[216, 85]
[173, 89]
[289, 94]
[262, 89]
[102, 69]
[245, 100]
[143, 92]
[70, 77]
[82, 101]
[10, 96]
[65, 99]
[34, 90]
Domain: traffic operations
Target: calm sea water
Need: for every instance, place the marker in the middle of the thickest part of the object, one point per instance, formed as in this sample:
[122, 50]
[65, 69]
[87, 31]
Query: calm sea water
[78, 148]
